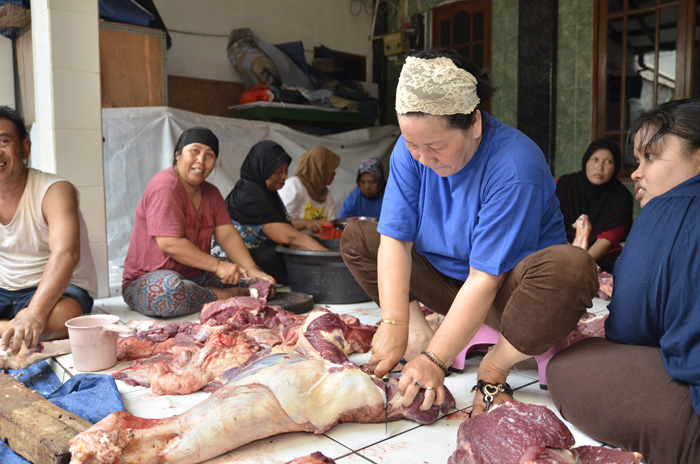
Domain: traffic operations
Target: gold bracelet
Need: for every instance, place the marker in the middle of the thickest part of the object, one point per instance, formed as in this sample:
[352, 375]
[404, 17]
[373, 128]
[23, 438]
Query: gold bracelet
[434, 359]
[390, 322]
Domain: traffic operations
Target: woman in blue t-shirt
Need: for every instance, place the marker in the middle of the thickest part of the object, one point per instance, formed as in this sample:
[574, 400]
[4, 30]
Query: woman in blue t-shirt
[649, 361]
[470, 227]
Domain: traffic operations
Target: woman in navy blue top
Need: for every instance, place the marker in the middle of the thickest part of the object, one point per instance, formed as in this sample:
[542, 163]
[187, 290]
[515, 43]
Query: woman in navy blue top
[470, 227]
[366, 199]
[639, 389]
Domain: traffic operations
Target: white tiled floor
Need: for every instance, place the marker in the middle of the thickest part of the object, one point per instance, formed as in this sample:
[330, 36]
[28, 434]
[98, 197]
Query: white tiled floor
[348, 443]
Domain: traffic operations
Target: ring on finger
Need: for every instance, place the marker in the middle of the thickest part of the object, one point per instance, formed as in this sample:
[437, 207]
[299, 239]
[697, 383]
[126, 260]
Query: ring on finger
[429, 388]
[415, 384]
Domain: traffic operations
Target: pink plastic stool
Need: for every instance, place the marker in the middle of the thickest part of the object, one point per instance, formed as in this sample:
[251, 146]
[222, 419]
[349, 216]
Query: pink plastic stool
[487, 336]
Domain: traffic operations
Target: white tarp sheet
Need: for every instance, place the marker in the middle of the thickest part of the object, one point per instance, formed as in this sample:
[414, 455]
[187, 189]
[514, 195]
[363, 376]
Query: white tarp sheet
[139, 142]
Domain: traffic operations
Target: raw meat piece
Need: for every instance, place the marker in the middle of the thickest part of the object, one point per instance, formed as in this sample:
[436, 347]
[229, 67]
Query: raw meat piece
[262, 289]
[25, 357]
[358, 335]
[555, 456]
[413, 411]
[276, 394]
[511, 432]
[583, 231]
[221, 310]
[605, 281]
[521, 433]
[151, 339]
[185, 369]
[313, 458]
[601, 455]
[327, 334]
[590, 325]
[187, 373]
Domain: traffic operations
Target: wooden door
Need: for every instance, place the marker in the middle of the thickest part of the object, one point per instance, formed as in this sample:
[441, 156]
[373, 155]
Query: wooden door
[466, 27]
[646, 54]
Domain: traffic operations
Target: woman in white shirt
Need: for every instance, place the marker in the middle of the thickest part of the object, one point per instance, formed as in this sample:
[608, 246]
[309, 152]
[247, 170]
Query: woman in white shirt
[306, 194]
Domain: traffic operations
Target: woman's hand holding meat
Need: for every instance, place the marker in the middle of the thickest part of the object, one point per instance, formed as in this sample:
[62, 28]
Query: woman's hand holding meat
[230, 273]
[312, 225]
[422, 374]
[388, 347]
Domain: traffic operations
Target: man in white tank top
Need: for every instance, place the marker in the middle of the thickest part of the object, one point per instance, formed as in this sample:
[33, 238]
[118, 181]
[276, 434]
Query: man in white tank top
[47, 275]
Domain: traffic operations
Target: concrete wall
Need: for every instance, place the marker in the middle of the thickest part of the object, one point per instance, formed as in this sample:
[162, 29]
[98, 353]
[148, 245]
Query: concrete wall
[200, 30]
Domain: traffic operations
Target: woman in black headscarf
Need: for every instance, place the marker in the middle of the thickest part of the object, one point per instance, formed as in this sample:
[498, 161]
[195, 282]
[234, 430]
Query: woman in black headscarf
[596, 192]
[259, 214]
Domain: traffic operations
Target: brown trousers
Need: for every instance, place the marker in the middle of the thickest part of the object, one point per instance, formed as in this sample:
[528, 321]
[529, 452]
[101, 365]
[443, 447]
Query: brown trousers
[539, 303]
[621, 395]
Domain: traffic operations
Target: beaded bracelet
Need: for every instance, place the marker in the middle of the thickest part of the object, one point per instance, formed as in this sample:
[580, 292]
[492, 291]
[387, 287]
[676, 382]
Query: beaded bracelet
[434, 359]
[390, 322]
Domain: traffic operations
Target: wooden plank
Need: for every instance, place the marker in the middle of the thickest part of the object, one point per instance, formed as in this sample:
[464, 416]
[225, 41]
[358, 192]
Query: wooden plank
[131, 68]
[34, 427]
[25, 76]
[204, 96]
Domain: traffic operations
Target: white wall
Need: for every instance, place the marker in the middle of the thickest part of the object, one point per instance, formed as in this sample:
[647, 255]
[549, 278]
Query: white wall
[200, 29]
[67, 134]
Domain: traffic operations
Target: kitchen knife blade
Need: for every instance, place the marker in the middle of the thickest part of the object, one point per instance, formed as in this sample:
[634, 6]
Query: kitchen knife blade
[386, 378]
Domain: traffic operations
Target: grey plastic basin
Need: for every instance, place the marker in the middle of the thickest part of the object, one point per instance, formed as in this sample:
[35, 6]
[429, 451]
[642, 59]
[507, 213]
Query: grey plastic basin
[322, 274]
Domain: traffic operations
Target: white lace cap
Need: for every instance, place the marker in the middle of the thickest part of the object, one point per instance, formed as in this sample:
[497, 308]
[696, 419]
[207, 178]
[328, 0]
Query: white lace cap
[435, 86]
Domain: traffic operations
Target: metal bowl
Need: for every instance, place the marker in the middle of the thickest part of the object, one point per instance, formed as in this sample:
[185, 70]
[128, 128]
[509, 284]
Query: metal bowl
[340, 223]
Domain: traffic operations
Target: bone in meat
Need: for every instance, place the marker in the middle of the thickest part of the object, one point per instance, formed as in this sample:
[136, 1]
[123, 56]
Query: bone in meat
[26, 357]
[276, 394]
[262, 289]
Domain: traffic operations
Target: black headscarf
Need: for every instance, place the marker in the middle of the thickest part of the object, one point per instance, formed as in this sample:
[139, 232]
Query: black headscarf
[250, 201]
[608, 206]
[198, 135]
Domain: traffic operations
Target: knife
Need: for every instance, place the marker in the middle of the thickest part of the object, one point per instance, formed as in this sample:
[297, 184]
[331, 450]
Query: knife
[386, 378]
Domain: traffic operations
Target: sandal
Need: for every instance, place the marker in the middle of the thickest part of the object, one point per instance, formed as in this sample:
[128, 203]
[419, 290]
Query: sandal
[489, 391]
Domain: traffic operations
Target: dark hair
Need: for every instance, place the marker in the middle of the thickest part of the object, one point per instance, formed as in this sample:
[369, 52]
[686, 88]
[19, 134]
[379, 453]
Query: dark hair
[11, 115]
[680, 118]
[484, 90]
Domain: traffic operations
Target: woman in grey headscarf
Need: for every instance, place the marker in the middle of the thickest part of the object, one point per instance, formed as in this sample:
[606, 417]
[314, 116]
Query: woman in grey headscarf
[366, 199]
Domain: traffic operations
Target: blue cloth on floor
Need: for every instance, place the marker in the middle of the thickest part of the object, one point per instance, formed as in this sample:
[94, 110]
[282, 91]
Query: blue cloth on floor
[90, 396]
